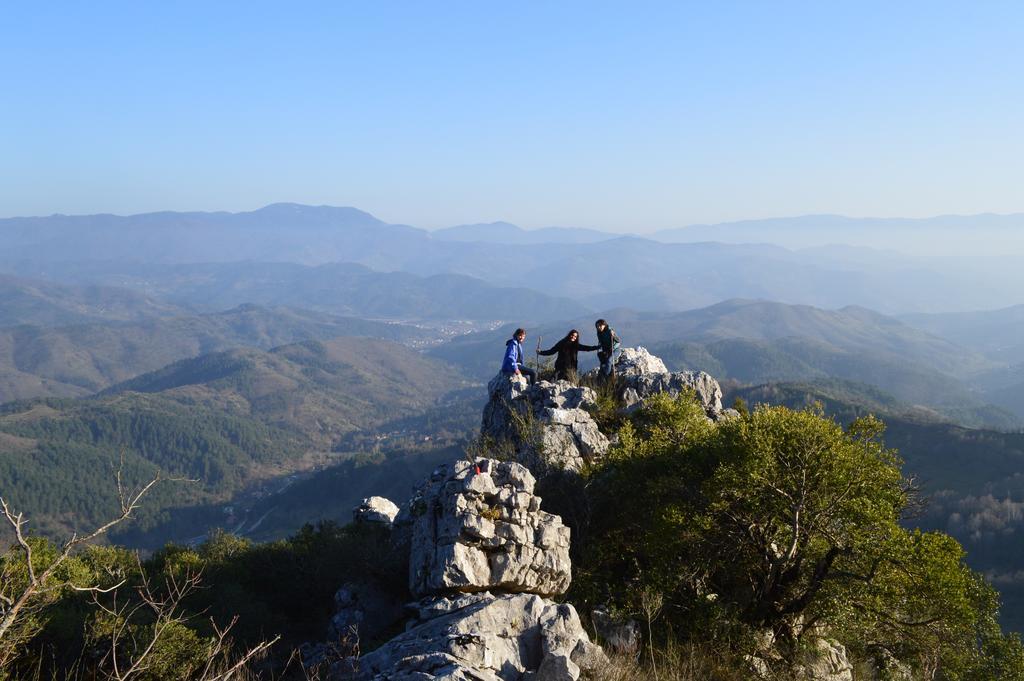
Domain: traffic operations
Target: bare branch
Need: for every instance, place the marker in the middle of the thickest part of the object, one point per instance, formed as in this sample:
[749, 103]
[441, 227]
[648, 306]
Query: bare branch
[38, 583]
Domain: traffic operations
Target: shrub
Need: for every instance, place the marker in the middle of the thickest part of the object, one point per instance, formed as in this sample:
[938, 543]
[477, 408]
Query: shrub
[780, 523]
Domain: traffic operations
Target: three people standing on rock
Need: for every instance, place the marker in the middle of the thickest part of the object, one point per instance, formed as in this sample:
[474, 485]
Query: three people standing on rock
[567, 351]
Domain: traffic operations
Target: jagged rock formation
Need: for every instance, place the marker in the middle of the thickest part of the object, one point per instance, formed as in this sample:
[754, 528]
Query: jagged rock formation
[485, 558]
[620, 635]
[487, 637]
[483, 554]
[483, 531]
[375, 510]
[546, 424]
[641, 375]
[820, 658]
[637, 362]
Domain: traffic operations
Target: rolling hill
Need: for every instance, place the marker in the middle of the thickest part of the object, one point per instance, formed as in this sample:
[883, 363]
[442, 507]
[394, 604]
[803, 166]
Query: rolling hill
[944, 234]
[348, 289]
[228, 420]
[77, 360]
[321, 390]
[996, 333]
[638, 272]
[507, 233]
[45, 303]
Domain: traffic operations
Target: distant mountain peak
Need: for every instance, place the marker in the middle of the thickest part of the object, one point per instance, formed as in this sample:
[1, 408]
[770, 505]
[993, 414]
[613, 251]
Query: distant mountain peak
[296, 208]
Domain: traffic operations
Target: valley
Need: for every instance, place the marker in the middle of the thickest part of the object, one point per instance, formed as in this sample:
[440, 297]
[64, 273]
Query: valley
[280, 394]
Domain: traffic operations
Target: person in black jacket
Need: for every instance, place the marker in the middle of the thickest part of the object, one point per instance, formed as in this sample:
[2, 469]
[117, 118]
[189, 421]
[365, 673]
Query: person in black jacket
[567, 350]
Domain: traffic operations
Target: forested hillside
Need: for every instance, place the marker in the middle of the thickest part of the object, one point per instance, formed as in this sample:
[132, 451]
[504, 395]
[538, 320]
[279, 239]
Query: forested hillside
[47, 303]
[227, 421]
[344, 288]
[320, 389]
[70, 361]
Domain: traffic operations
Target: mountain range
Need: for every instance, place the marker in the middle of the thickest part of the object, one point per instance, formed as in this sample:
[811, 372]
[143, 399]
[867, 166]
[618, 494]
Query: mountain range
[348, 289]
[594, 270]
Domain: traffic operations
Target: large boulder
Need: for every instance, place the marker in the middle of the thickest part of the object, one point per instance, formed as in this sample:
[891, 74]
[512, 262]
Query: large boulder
[486, 637]
[375, 510]
[641, 375]
[476, 531]
[637, 362]
[547, 424]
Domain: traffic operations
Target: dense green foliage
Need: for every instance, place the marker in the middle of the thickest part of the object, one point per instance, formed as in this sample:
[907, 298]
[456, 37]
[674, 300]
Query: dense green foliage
[971, 477]
[60, 470]
[279, 588]
[778, 525]
[781, 521]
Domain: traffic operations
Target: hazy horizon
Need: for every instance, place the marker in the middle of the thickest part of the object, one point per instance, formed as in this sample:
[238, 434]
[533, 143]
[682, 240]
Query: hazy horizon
[430, 227]
[614, 118]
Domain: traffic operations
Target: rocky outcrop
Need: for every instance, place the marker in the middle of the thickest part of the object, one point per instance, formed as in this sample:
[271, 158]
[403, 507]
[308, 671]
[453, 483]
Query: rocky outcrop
[620, 635]
[486, 636]
[375, 510]
[819, 658]
[547, 425]
[484, 556]
[475, 531]
[641, 375]
[637, 362]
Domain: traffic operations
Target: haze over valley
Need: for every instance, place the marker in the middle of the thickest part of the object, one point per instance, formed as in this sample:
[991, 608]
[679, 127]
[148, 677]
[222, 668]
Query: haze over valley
[534, 342]
[324, 334]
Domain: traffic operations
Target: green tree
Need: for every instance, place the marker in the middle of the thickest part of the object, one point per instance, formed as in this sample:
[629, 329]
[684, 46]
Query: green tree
[783, 524]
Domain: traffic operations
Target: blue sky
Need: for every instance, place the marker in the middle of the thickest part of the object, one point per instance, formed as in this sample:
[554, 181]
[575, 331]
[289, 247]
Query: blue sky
[625, 116]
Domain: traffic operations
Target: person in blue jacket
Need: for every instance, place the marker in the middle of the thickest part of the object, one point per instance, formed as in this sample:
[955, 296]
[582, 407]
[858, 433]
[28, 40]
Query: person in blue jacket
[514, 363]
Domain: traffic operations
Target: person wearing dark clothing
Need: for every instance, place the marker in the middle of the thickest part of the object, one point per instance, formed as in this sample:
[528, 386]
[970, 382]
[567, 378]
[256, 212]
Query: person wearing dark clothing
[567, 350]
[514, 363]
[609, 342]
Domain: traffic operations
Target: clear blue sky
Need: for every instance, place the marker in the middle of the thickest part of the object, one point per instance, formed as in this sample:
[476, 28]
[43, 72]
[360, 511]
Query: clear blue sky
[631, 116]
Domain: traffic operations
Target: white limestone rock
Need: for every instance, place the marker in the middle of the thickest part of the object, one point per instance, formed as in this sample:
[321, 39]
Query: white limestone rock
[486, 637]
[619, 635]
[641, 375]
[375, 510]
[483, 531]
[638, 362]
[547, 424]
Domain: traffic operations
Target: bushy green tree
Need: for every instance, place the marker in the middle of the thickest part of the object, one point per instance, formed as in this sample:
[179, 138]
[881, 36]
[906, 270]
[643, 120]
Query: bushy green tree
[782, 524]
